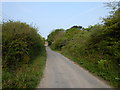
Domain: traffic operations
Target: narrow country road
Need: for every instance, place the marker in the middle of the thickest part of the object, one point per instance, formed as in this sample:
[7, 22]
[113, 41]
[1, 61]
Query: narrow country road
[61, 72]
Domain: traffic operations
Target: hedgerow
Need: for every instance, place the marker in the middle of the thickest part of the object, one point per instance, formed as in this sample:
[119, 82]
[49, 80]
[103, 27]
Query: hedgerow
[21, 45]
[97, 48]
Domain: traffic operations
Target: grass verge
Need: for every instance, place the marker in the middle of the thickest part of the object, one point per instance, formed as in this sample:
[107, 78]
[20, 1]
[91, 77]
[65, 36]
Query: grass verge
[28, 76]
[110, 76]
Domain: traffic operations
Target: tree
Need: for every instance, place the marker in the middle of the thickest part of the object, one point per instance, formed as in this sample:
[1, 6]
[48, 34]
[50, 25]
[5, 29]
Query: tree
[55, 35]
[77, 27]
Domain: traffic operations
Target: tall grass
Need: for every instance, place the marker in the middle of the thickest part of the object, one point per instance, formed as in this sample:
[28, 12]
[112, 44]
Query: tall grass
[28, 76]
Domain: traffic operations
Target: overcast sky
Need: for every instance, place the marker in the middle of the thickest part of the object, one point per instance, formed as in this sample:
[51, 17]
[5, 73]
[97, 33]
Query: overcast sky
[48, 16]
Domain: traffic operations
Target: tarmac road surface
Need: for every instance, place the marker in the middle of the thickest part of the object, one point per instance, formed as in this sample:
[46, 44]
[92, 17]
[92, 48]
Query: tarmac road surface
[60, 72]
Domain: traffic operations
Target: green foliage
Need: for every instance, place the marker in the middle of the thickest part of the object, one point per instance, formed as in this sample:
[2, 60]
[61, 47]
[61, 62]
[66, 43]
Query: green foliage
[21, 45]
[77, 27]
[59, 43]
[28, 76]
[97, 48]
[55, 35]
[71, 32]
[20, 42]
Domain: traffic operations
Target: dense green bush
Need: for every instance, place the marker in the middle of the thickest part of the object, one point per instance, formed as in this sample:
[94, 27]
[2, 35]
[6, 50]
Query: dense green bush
[23, 55]
[97, 48]
[55, 35]
[27, 76]
[20, 44]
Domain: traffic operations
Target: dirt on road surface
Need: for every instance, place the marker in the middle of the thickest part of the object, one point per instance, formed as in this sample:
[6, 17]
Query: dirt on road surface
[61, 72]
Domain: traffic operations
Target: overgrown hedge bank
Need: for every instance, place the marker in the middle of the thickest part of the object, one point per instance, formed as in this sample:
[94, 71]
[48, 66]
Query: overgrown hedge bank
[97, 48]
[23, 55]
